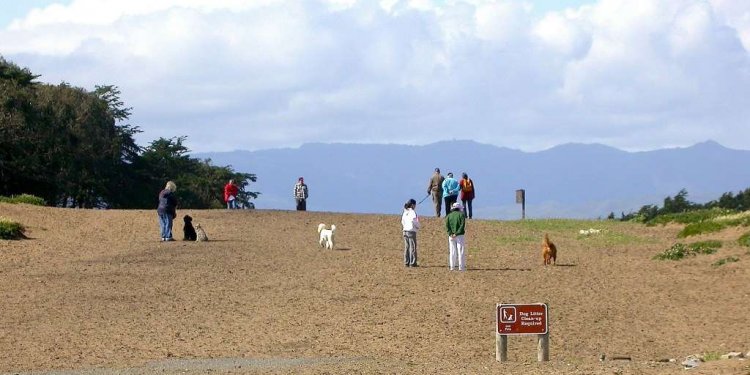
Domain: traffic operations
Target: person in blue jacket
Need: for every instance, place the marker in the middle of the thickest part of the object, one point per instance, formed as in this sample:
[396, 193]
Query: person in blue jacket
[451, 189]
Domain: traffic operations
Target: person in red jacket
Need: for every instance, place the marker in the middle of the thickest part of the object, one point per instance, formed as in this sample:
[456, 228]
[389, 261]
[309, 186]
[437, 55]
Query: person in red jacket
[230, 194]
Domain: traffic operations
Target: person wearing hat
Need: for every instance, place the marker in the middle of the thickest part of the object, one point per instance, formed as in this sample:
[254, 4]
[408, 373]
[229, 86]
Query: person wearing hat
[410, 224]
[455, 224]
[300, 194]
[450, 191]
[436, 189]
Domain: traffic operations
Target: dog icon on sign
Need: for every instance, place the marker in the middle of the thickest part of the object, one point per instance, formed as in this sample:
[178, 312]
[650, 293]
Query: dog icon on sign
[508, 314]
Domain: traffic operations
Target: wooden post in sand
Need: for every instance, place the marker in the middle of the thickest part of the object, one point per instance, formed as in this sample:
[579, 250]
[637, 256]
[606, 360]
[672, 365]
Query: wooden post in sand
[522, 319]
[521, 198]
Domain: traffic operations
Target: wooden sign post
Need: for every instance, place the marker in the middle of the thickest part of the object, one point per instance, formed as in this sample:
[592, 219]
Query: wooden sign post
[522, 319]
[521, 198]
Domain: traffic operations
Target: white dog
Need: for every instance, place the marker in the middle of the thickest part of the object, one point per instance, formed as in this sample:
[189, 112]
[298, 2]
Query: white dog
[327, 236]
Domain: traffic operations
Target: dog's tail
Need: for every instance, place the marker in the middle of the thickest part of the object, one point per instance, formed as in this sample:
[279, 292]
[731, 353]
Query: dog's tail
[333, 228]
[321, 226]
[546, 239]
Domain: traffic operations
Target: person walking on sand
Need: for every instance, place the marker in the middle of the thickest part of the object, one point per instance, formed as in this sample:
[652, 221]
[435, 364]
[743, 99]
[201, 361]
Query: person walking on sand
[410, 224]
[455, 225]
[436, 189]
[167, 210]
[450, 192]
[230, 194]
[467, 193]
[300, 194]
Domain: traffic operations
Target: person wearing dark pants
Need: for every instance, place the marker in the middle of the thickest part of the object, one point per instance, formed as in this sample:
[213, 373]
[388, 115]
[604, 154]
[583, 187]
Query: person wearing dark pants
[300, 194]
[450, 192]
[467, 193]
[410, 224]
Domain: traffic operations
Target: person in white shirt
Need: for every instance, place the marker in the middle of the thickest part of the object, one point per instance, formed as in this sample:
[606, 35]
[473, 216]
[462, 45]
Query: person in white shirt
[410, 223]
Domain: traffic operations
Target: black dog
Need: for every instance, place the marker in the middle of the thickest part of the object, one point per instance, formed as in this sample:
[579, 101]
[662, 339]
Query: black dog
[188, 230]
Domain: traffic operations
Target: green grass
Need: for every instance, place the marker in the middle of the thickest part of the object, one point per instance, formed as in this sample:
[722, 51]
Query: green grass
[528, 231]
[679, 250]
[744, 239]
[23, 198]
[11, 230]
[711, 356]
[701, 227]
[692, 217]
[724, 261]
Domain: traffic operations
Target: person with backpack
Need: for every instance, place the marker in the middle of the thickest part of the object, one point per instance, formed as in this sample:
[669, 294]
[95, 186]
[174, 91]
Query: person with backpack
[467, 193]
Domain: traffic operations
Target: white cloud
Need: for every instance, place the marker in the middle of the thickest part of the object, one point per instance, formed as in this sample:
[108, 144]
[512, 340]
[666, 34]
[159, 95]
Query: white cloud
[232, 74]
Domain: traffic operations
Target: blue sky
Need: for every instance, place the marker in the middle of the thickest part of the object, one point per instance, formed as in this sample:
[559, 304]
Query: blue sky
[529, 75]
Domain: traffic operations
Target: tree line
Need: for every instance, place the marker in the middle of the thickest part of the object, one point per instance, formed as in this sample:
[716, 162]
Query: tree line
[679, 203]
[75, 148]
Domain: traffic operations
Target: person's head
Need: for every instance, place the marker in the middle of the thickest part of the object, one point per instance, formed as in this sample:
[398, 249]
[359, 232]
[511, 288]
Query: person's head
[171, 186]
[231, 182]
[437, 170]
[450, 174]
[411, 203]
[301, 180]
[464, 175]
[457, 206]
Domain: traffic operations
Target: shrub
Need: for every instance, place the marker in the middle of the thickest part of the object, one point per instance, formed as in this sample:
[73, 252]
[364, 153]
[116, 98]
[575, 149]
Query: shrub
[23, 198]
[691, 217]
[700, 227]
[11, 230]
[679, 250]
[726, 260]
[744, 239]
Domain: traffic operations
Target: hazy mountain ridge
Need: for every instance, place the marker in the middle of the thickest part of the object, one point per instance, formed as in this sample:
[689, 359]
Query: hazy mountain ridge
[570, 180]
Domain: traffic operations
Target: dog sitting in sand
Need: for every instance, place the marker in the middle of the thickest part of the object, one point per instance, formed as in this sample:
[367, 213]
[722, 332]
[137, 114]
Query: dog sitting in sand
[327, 236]
[200, 233]
[188, 230]
[549, 251]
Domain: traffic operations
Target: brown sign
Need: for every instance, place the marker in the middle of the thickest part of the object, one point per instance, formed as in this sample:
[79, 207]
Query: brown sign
[528, 319]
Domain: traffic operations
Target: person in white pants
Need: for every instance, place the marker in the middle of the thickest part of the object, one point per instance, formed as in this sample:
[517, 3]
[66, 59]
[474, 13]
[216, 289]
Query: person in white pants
[455, 224]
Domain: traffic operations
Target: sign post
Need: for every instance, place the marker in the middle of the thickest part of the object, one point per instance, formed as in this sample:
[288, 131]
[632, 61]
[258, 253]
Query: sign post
[522, 319]
[521, 198]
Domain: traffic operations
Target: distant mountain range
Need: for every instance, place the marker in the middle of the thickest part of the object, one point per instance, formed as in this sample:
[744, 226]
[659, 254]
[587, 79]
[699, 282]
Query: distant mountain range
[567, 181]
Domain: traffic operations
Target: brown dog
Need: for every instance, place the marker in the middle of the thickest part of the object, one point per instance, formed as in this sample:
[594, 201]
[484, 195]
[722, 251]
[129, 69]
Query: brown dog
[549, 251]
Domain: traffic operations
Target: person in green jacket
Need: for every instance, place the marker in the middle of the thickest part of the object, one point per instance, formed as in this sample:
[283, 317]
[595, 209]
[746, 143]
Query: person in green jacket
[455, 224]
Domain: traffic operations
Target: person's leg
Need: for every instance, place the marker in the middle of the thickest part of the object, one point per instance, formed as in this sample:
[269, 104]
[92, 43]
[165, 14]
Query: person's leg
[163, 226]
[170, 221]
[414, 250]
[468, 204]
[461, 252]
[406, 249]
[464, 203]
[436, 201]
[451, 253]
[447, 205]
[304, 204]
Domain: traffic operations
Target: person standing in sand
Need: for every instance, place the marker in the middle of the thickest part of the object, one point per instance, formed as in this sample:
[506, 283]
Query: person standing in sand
[410, 224]
[230, 195]
[167, 210]
[455, 224]
[436, 189]
[300, 194]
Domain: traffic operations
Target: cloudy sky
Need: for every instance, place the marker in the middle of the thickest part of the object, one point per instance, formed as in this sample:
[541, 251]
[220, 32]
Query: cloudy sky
[525, 74]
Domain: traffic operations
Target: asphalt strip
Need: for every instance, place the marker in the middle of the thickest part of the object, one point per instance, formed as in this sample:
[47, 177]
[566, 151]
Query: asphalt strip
[190, 365]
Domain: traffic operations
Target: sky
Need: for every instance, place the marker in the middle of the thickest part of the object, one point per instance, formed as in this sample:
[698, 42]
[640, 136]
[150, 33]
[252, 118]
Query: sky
[529, 75]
